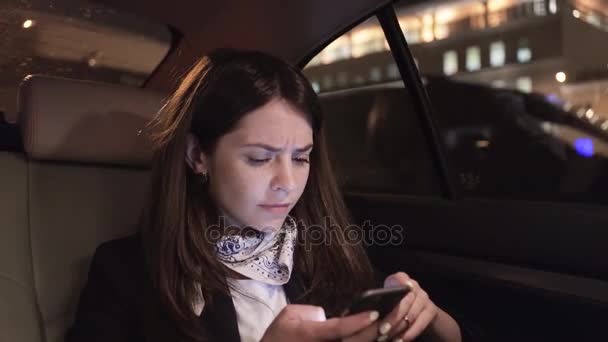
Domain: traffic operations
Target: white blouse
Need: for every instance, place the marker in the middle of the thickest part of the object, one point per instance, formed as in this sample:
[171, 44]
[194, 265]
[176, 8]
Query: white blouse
[255, 314]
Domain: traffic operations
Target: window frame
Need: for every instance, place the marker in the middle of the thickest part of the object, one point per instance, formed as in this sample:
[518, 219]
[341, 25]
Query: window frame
[412, 80]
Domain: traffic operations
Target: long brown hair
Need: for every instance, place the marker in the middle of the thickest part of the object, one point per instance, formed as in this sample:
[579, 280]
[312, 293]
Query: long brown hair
[217, 92]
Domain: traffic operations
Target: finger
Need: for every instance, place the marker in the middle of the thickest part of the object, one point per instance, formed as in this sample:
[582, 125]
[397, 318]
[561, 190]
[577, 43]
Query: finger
[396, 279]
[420, 302]
[339, 327]
[422, 322]
[394, 318]
[401, 327]
[366, 335]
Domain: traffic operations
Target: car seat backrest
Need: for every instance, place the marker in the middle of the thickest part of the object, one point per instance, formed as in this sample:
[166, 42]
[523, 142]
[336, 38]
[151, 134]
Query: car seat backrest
[81, 181]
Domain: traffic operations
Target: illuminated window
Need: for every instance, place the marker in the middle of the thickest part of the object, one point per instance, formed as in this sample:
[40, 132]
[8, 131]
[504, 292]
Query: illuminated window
[539, 7]
[450, 62]
[392, 71]
[375, 74]
[497, 18]
[338, 49]
[524, 84]
[497, 54]
[367, 40]
[411, 29]
[473, 61]
[328, 81]
[499, 84]
[412, 36]
[553, 6]
[441, 31]
[524, 54]
[478, 21]
[427, 28]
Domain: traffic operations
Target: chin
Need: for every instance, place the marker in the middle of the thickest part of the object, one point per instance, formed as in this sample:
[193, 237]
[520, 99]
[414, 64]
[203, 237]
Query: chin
[272, 225]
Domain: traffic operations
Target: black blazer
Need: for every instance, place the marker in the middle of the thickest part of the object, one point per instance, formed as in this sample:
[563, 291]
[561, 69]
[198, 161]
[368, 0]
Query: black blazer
[117, 303]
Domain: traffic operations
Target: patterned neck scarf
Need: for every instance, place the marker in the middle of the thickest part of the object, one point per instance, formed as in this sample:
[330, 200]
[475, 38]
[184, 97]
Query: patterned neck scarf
[263, 256]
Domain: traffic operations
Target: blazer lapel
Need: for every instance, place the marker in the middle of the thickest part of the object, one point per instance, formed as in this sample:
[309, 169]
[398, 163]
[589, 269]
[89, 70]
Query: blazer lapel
[220, 319]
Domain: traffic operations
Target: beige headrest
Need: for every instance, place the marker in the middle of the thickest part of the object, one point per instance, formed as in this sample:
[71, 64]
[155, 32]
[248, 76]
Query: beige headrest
[82, 121]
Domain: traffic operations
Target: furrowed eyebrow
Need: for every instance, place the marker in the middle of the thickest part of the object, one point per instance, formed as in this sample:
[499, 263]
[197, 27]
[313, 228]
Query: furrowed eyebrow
[277, 149]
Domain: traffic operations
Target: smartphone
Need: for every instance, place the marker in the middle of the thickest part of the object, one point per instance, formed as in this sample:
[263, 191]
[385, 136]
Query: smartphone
[382, 300]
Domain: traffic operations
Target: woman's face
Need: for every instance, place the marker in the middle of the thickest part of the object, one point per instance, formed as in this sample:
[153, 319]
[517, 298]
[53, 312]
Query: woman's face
[259, 170]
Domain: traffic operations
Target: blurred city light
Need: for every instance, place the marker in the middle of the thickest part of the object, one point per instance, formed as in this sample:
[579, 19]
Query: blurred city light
[584, 147]
[485, 58]
[482, 143]
[580, 112]
[28, 23]
[553, 6]
[547, 127]
[554, 99]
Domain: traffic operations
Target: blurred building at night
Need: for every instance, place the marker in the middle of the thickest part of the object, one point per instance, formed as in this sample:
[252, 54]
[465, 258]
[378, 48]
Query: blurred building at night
[554, 47]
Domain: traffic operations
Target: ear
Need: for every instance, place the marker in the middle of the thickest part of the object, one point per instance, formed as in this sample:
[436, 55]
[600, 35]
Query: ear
[195, 157]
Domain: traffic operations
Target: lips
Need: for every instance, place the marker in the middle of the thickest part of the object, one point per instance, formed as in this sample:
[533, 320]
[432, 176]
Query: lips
[275, 208]
[275, 205]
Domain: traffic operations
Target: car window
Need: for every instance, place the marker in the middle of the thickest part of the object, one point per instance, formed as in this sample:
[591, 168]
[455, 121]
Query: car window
[75, 39]
[519, 91]
[374, 136]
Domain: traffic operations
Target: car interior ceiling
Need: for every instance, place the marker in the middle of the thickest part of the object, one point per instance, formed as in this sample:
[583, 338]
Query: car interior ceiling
[298, 28]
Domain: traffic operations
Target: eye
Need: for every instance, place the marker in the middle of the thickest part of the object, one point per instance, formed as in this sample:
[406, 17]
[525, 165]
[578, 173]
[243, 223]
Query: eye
[256, 161]
[301, 160]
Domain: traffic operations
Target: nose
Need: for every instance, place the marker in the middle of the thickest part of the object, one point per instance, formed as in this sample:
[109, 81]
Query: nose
[284, 178]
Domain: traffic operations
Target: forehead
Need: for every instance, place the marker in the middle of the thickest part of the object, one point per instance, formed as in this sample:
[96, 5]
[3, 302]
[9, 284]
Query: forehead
[276, 122]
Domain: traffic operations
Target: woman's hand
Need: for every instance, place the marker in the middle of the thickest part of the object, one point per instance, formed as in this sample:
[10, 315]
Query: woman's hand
[416, 314]
[307, 323]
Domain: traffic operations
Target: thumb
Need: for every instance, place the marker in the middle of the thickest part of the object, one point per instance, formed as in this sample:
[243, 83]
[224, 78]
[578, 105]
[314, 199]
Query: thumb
[339, 328]
[300, 312]
[396, 279]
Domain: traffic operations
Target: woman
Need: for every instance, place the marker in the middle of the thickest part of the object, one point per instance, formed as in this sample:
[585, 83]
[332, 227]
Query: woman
[240, 179]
